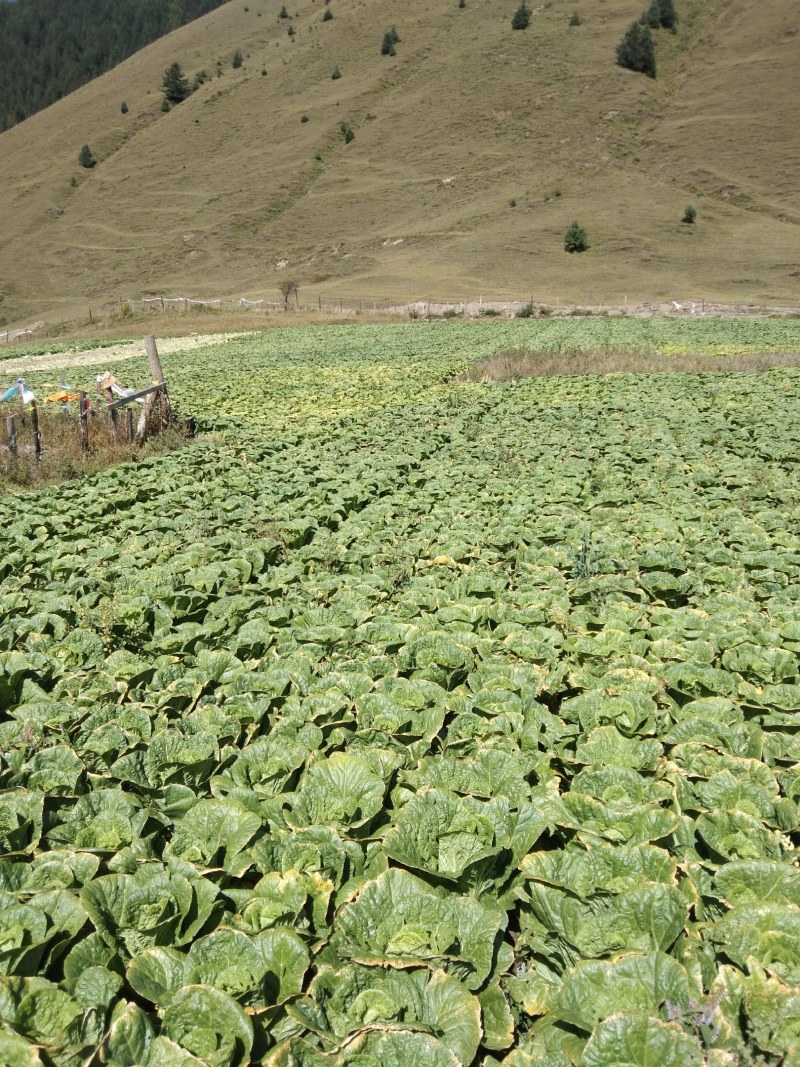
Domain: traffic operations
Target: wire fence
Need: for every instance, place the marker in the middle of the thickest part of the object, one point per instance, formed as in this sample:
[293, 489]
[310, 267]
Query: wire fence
[468, 306]
[429, 308]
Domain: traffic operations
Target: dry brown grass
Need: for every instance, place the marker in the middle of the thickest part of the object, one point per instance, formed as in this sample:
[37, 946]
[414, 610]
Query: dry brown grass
[517, 364]
[62, 458]
[226, 196]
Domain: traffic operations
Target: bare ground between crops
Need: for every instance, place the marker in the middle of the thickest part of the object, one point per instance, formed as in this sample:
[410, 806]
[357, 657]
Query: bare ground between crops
[96, 357]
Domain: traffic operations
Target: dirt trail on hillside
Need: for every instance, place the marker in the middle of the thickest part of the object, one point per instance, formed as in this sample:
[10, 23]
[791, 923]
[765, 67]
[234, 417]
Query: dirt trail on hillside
[97, 357]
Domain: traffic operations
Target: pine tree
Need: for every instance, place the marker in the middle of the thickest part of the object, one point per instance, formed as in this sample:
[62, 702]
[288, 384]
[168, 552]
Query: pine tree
[636, 52]
[390, 39]
[522, 17]
[86, 157]
[174, 85]
[652, 16]
[689, 214]
[669, 18]
[237, 59]
[575, 238]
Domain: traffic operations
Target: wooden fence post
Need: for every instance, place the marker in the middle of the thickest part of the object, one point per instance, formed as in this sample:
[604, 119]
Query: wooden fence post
[11, 430]
[21, 406]
[37, 433]
[129, 424]
[157, 375]
[83, 422]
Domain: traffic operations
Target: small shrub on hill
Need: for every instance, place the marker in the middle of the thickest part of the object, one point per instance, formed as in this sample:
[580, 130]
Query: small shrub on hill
[336, 74]
[689, 214]
[328, 15]
[237, 59]
[123, 108]
[86, 157]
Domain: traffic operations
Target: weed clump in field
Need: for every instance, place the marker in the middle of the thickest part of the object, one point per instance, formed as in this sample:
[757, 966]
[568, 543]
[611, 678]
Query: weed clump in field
[62, 459]
[516, 364]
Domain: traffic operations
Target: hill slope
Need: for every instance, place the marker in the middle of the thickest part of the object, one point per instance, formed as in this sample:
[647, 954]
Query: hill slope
[232, 191]
[50, 48]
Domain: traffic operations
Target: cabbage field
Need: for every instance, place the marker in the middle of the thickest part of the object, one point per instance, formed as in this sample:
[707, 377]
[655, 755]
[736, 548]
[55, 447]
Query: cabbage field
[402, 722]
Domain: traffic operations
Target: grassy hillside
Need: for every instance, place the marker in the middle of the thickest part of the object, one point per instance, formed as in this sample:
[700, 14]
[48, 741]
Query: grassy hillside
[212, 197]
[50, 48]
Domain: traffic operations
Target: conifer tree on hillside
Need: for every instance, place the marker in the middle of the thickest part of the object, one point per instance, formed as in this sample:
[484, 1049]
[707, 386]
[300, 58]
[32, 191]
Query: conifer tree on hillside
[636, 51]
[86, 157]
[174, 85]
[390, 39]
[522, 17]
[575, 238]
[669, 18]
[652, 15]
